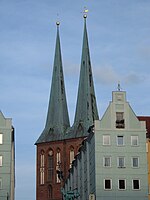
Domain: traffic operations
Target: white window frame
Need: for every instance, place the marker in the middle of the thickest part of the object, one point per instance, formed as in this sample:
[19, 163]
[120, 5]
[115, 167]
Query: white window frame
[132, 162]
[118, 163]
[1, 138]
[124, 184]
[118, 140]
[133, 184]
[104, 142]
[1, 185]
[104, 163]
[1, 160]
[106, 179]
[132, 138]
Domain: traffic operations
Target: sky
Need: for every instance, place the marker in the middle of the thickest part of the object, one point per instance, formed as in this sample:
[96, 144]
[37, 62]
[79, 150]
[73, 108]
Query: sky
[119, 40]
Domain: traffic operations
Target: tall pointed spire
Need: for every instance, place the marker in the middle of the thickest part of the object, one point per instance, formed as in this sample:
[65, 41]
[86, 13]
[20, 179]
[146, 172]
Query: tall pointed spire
[86, 108]
[57, 117]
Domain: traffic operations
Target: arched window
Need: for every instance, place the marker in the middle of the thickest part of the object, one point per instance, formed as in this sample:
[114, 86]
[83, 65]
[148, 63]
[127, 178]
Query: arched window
[42, 166]
[50, 192]
[58, 164]
[71, 155]
[50, 165]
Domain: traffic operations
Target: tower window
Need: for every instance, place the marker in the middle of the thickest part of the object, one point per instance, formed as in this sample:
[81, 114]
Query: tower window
[120, 120]
[42, 174]
[50, 165]
[50, 192]
[71, 155]
[58, 164]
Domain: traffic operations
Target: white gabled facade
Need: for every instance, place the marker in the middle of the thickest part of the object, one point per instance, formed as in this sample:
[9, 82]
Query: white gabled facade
[112, 162]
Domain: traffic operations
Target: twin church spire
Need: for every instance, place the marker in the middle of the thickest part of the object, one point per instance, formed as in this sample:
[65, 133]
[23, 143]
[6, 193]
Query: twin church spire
[57, 124]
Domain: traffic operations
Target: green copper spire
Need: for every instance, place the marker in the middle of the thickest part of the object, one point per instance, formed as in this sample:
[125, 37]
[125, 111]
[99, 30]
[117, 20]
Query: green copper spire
[86, 108]
[57, 117]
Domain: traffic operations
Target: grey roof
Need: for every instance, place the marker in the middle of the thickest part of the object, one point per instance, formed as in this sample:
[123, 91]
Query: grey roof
[86, 108]
[57, 116]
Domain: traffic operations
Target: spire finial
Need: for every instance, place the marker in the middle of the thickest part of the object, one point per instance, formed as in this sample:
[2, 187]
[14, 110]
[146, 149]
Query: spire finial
[57, 22]
[85, 12]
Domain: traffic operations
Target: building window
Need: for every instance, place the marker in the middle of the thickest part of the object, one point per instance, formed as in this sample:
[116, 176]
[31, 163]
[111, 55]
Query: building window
[50, 165]
[107, 184]
[121, 184]
[106, 139]
[134, 140]
[58, 165]
[135, 162]
[50, 192]
[107, 161]
[120, 140]
[42, 168]
[121, 162]
[1, 161]
[136, 184]
[71, 155]
[120, 120]
[1, 138]
[0, 183]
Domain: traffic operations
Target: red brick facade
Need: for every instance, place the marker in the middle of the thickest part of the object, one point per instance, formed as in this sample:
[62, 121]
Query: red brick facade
[50, 189]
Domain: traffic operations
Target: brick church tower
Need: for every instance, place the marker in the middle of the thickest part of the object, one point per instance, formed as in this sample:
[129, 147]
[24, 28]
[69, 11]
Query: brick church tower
[59, 142]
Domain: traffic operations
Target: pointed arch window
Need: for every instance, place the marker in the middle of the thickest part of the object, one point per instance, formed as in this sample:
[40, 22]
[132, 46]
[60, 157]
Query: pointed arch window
[71, 155]
[50, 165]
[50, 192]
[42, 166]
[58, 164]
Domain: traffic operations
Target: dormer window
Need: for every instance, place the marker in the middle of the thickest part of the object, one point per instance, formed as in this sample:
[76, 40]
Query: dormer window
[120, 120]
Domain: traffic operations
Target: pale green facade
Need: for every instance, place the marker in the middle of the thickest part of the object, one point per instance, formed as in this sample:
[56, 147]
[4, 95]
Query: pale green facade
[120, 153]
[112, 163]
[7, 159]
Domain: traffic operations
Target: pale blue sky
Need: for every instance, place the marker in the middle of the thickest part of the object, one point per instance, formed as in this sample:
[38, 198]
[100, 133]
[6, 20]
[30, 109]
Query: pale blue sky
[119, 39]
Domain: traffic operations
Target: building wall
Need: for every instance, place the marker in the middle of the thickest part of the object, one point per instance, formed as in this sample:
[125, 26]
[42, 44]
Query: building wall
[89, 168]
[132, 127]
[64, 146]
[7, 152]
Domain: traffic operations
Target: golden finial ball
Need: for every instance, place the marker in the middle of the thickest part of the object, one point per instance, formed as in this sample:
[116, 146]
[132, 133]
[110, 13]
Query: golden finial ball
[57, 23]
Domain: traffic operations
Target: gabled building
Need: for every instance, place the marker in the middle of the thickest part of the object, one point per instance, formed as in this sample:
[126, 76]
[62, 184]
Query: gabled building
[59, 142]
[112, 161]
[7, 159]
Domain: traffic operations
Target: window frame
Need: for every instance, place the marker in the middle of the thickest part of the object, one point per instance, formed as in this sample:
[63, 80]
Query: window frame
[1, 160]
[104, 163]
[118, 163]
[107, 179]
[106, 144]
[1, 138]
[120, 145]
[132, 143]
[138, 184]
[1, 184]
[124, 184]
[137, 162]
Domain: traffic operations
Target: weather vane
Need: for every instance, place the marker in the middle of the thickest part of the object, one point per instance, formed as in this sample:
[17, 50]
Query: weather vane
[57, 22]
[85, 12]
